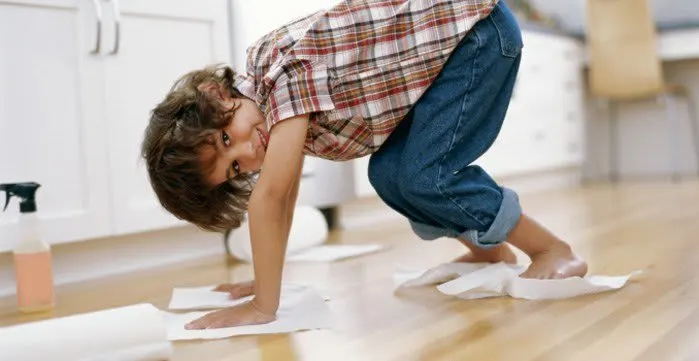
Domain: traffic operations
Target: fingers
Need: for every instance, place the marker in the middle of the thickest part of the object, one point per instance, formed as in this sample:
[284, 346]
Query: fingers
[239, 315]
[240, 293]
[217, 319]
[231, 287]
[218, 324]
[227, 287]
[236, 290]
[199, 324]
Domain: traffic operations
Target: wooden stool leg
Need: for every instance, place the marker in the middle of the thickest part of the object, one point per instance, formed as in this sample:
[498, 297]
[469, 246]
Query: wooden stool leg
[673, 137]
[694, 126]
[613, 151]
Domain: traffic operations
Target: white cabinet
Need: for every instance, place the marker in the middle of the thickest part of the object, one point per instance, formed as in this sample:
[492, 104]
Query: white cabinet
[51, 115]
[72, 119]
[159, 41]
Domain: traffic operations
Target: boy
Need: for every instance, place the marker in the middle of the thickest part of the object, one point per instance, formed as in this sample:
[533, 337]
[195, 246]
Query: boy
[420, 85]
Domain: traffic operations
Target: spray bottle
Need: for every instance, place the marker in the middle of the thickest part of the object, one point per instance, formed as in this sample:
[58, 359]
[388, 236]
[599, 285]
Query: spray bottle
[32, 255]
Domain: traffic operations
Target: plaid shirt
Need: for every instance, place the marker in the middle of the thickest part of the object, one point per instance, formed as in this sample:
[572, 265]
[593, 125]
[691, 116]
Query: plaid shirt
[356, 68]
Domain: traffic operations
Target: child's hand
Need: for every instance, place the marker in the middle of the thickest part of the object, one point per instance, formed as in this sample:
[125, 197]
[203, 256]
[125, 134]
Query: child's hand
[236, 290]
[240, 315]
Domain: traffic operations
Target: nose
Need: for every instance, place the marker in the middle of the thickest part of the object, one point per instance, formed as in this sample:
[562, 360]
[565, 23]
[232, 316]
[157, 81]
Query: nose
[246, 156]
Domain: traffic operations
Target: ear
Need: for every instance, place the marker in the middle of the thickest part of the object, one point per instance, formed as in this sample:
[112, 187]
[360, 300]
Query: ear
[217, 93]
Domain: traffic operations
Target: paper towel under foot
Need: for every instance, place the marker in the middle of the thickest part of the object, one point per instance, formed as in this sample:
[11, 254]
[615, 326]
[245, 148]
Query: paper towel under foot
[132, 333]
[483, 280]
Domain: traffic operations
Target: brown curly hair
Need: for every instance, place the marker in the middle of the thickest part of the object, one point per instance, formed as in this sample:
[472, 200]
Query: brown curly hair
[179, 128]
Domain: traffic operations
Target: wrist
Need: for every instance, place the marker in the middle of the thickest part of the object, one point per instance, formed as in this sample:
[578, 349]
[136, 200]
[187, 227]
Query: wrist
[269, 308]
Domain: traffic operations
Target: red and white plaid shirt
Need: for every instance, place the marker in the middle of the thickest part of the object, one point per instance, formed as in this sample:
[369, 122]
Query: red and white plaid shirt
[357, 68]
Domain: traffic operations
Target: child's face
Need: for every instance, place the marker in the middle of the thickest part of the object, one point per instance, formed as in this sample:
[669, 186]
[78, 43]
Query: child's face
[240, 147]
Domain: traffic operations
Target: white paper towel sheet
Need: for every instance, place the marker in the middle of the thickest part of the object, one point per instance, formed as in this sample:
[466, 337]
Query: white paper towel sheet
[305, 310]
[133, 333]
[204, 298]
[484, 280]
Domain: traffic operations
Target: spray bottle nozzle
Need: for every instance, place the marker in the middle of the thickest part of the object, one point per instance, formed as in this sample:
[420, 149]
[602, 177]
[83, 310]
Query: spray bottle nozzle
[25, 191]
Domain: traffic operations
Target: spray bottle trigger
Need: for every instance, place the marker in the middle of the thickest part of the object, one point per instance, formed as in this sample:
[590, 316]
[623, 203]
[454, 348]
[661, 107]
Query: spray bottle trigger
[7, 201]
[8, 195]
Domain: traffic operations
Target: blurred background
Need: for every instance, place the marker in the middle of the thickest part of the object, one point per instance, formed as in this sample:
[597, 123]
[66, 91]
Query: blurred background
[605, 94]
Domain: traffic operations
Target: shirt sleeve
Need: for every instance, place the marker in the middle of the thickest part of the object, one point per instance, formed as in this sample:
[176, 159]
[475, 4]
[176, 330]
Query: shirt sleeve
[298, 87]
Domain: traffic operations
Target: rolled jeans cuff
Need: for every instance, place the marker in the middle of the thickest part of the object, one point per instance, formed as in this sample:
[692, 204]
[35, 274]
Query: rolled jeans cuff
[506, 219]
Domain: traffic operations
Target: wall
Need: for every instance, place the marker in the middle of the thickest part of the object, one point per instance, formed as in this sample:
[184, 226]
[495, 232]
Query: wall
[248, 24]
[571, 13]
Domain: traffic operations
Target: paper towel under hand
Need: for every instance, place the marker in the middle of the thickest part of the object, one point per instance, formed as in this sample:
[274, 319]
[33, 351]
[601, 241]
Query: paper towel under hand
[203, 298]
[483, 280]
[304, 311]
[132, 333]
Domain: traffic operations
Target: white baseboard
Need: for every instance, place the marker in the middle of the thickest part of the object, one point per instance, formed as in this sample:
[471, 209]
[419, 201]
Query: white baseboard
[99, 258]
[553, 179]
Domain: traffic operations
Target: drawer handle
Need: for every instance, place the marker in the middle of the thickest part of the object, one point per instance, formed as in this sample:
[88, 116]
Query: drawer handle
[98, 14]
[117, 26]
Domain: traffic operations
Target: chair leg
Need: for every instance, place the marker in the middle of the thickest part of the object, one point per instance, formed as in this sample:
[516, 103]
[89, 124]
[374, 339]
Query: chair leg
[613, 156]
[691, 106]
[673, 137]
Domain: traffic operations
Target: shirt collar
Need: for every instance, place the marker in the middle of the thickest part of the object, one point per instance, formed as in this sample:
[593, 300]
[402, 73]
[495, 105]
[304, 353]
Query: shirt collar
[245, 85]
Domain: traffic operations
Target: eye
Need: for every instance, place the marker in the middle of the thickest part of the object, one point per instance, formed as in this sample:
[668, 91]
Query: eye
[236, 167]
[225, 138]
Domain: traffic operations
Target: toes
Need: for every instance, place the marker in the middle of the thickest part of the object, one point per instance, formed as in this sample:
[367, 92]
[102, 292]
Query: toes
[528, 274]
[194, 325]
[225, 288]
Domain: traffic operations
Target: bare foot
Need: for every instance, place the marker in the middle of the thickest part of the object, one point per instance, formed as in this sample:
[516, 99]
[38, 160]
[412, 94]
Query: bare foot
[551, 257]
[555, 263]
[500, 253]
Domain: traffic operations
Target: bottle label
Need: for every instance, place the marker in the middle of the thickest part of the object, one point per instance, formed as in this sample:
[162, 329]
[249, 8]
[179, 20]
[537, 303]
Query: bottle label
[34, 279]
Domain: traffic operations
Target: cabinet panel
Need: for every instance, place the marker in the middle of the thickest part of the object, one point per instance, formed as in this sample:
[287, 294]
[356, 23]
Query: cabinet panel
[154, 50]
[50, 128]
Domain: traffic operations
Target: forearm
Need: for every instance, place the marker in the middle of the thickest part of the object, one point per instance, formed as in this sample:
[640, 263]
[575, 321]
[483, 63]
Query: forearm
[291, 206]
[269, 230]
[271, 209]
[278, 211]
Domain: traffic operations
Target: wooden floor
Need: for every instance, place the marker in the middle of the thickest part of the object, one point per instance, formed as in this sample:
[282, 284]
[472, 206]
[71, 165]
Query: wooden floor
[618, 229]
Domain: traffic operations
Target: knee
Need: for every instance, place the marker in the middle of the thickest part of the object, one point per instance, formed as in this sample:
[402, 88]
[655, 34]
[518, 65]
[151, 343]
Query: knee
[417, 183]
[379, 174]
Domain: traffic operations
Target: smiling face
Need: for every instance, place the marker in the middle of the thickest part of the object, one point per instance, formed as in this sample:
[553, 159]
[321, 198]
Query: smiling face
[240, 146]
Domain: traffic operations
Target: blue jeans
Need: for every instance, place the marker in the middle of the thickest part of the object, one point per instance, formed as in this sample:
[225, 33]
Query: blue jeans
[424, 169]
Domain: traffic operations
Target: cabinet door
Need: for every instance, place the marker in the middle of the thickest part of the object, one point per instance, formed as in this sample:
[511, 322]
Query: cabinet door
[158, 41]
[50, 126]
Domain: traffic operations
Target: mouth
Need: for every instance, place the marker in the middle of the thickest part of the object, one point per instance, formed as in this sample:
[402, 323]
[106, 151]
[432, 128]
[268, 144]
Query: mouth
[263, 138]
